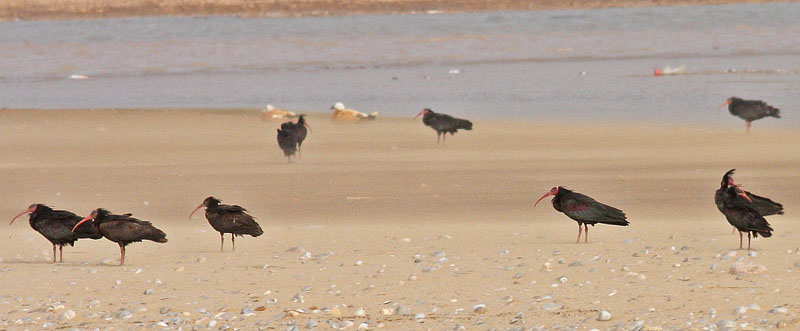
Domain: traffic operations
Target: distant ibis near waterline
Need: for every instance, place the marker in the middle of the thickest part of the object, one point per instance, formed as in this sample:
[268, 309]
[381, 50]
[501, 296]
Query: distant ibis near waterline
[750, 110]
[443, 124]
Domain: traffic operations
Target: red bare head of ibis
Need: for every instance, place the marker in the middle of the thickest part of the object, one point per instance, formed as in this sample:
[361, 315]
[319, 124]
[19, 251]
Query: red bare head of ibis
[91, 216]
[31, 209]
[208, 202]
[553, 192]
[423, 112]
[727, 102]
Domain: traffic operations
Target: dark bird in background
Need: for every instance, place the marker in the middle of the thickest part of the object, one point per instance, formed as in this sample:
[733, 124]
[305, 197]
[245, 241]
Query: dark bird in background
[122, 229]
[443, 123]
[298, 131]
[287, 140]
[584, 210]
[231, 219]
[742, 214]
[56, 226]
[301, 130]
[750, 110]
[764, 206]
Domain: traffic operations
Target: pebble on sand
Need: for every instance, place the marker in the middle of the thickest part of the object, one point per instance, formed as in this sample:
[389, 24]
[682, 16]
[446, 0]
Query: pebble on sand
[479, 308]
[604, 315]
[68, 314]
[746, 268]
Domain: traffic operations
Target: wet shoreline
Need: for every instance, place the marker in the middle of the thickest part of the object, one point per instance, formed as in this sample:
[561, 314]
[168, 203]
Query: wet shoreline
[68, 10]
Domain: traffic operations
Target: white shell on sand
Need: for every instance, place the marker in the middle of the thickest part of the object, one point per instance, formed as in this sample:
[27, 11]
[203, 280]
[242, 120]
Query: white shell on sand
[604, 315]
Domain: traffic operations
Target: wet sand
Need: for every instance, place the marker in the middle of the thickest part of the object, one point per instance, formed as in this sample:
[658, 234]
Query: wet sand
[374, 216]
[71, 9]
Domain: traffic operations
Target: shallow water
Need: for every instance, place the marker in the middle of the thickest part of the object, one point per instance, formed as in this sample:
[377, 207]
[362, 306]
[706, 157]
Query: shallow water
[573, 65]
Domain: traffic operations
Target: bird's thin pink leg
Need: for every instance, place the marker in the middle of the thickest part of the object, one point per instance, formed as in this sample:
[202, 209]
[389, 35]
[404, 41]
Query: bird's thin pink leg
[122, 254]
[60, 254]
[733, 229]
[580, 230]
[438, 138]
[748, 127]
[233, 242]
[586, 233]
[221, 241]
[54, 253]
[740, 239]
[444, 137]
[748, 241]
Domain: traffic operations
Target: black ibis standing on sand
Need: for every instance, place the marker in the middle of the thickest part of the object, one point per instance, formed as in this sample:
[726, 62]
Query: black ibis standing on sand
[742, 214]
[56, 226]
[286, 140]
[298, 132]
[764, 206]
[443, 123]
[301, 129]
[122, 229]
[750, 110]
[231, 219]
[584, 210]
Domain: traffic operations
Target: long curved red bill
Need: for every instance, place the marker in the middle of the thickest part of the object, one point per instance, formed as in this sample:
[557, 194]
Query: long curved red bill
[18, 215]
[544, 196]
[81, 222]
[193, 211]
[741, 192]
[723, 105]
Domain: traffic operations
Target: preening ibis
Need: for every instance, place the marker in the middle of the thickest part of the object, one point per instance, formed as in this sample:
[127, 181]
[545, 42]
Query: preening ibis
[341, 114]
[443, 123]
[742, 214]
[56, 226]
[764, 206]
[231, 219]
[584, 210]
[750, 110]
[122, 229]
[276, 114]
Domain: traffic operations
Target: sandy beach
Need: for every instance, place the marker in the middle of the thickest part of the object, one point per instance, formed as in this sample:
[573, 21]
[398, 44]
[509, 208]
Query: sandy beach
[71, 9]
[376, 227]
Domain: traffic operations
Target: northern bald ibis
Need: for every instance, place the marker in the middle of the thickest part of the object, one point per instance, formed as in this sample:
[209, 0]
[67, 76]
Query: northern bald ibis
[584, 210]
[750, 110]
[231, 219]
[742, 214]
[298, 130]
[764, 206]
[287, 140]
[56, 226]
[443, 123]
[342, 114]
[122, 229]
